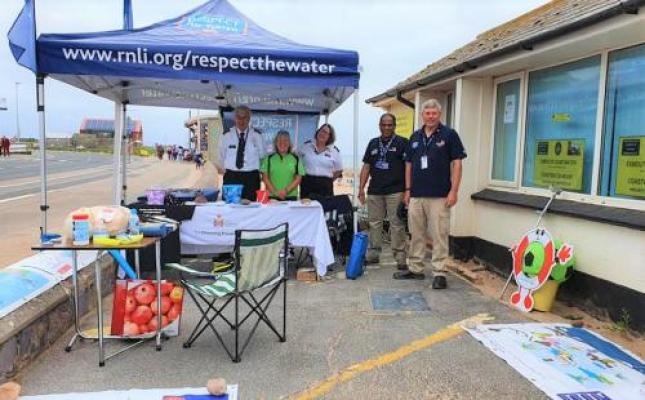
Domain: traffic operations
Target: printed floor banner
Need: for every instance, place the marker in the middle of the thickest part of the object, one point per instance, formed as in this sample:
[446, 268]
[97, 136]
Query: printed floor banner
[565, 362]
[29, 277]
[142, 394]
[20, 284]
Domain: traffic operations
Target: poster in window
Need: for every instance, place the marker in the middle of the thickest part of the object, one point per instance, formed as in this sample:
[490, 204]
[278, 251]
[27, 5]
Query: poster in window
[404, 123]
[509, 109]
[630, 173]
[559, 163]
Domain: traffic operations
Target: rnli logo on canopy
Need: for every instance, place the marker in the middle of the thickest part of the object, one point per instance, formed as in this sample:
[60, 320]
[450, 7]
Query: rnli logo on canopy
[213, 24]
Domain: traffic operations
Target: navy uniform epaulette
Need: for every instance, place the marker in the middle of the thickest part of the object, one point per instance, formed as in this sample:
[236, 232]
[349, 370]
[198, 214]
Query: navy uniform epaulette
[257, 131]
[337, 149]
[308, 141]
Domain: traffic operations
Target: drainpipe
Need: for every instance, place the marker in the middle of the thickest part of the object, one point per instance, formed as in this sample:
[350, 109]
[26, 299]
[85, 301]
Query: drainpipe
[404, 101]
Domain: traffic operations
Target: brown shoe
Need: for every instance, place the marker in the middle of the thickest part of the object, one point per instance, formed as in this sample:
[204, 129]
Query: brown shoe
[408, 275]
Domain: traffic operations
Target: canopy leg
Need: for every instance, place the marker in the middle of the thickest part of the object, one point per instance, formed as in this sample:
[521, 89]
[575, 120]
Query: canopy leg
[355, 163]
[124, 154]
[40, 108]
[116, 157]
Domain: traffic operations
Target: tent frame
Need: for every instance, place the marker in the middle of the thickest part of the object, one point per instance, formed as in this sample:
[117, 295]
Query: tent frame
[121, 146]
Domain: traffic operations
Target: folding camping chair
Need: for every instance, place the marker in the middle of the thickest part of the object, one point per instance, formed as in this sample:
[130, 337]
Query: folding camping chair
[259, 262]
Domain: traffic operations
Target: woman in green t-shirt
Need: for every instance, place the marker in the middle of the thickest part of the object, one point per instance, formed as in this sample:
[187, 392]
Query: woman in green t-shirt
[282, 171]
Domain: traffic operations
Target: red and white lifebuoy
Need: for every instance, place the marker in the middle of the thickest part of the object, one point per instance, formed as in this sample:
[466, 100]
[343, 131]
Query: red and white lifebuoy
[522, 299]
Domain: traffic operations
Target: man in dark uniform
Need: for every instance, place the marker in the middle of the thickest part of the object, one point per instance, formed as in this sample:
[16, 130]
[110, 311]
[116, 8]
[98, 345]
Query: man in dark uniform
[432, 178]
[240, 152]
[384, 163]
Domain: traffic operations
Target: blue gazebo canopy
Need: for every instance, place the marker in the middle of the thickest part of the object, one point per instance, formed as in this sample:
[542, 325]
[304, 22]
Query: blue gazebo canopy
[213, 56]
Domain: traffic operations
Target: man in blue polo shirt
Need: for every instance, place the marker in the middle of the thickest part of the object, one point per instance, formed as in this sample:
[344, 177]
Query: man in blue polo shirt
[432, 178]
[384, 165]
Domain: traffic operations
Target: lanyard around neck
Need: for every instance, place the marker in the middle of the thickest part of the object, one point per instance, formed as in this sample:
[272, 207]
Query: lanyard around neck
[383, 149]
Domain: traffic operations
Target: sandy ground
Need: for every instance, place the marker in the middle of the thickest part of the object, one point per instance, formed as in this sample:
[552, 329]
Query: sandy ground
[20, 219]
[491, 284]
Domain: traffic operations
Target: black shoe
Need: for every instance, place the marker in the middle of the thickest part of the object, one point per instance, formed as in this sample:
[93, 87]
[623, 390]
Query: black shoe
[408, 275]
[372, 261]
[402, 267]
[439, 282]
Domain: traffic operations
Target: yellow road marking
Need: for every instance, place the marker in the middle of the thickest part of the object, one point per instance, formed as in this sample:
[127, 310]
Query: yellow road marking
[352, 371]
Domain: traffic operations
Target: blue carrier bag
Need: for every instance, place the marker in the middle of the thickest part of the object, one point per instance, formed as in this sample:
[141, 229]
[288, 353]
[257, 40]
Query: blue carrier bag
[356, 261]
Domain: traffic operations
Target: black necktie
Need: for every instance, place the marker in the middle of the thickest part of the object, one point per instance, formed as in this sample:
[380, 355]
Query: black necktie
[239, 159]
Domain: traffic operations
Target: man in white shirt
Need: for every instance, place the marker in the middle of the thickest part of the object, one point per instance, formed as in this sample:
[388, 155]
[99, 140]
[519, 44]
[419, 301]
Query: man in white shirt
[240, 152]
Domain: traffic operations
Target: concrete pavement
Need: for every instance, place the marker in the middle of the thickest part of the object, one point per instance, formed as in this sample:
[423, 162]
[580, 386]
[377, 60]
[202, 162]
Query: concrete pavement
[331, 326]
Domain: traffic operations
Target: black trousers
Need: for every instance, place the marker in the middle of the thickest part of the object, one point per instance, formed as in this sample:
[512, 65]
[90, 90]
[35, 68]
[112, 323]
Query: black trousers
[250, 180]
[317, 186]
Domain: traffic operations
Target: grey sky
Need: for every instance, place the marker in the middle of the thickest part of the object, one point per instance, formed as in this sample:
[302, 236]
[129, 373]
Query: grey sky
[394, 39]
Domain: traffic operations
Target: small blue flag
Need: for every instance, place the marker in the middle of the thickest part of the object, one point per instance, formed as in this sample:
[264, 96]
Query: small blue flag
[22, 37]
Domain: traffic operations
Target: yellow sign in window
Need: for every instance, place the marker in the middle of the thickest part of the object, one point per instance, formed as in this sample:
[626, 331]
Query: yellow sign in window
[404, 123]
[559, 163]
[630, 172]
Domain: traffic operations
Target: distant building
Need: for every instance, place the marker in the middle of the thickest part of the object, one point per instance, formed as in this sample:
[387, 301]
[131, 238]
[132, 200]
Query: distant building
[59, 140]
[104, 128]
[209, 128]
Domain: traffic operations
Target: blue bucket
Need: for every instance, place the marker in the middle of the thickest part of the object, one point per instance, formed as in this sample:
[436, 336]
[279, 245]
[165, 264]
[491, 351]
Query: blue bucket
[232, 194]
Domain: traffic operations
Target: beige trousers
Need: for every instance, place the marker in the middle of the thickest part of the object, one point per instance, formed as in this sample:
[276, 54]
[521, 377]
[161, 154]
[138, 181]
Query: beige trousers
[428, 214]
[378, 207]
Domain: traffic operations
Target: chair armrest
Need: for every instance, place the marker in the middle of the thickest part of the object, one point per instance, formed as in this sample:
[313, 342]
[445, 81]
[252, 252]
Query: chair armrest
[190, 271]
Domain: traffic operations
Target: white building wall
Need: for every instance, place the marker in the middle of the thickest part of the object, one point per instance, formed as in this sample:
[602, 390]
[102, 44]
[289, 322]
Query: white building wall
[605, 251]
[469, 123]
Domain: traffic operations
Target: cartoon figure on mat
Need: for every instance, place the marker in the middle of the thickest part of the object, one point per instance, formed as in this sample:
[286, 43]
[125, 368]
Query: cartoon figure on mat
[533, 259]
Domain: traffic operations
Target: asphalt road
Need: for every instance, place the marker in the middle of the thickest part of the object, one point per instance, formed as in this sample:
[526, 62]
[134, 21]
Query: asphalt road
[79, 182]
[20, 175]
[19, 166]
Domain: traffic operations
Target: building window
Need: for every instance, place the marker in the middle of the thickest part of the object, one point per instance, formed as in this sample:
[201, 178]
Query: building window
[623, 154]
[561, 124]
[506, 130]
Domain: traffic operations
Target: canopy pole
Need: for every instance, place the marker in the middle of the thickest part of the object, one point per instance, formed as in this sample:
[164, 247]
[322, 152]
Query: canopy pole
[116, 157]
[198, 137]
[40, 108]
[355, 163]
[124, 153]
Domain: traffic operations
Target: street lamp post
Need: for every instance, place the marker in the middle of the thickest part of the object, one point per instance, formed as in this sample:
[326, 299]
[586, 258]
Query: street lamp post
[17, 114]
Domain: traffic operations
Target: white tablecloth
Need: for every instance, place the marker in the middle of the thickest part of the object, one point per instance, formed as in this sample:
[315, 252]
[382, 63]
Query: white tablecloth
[212, 228]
